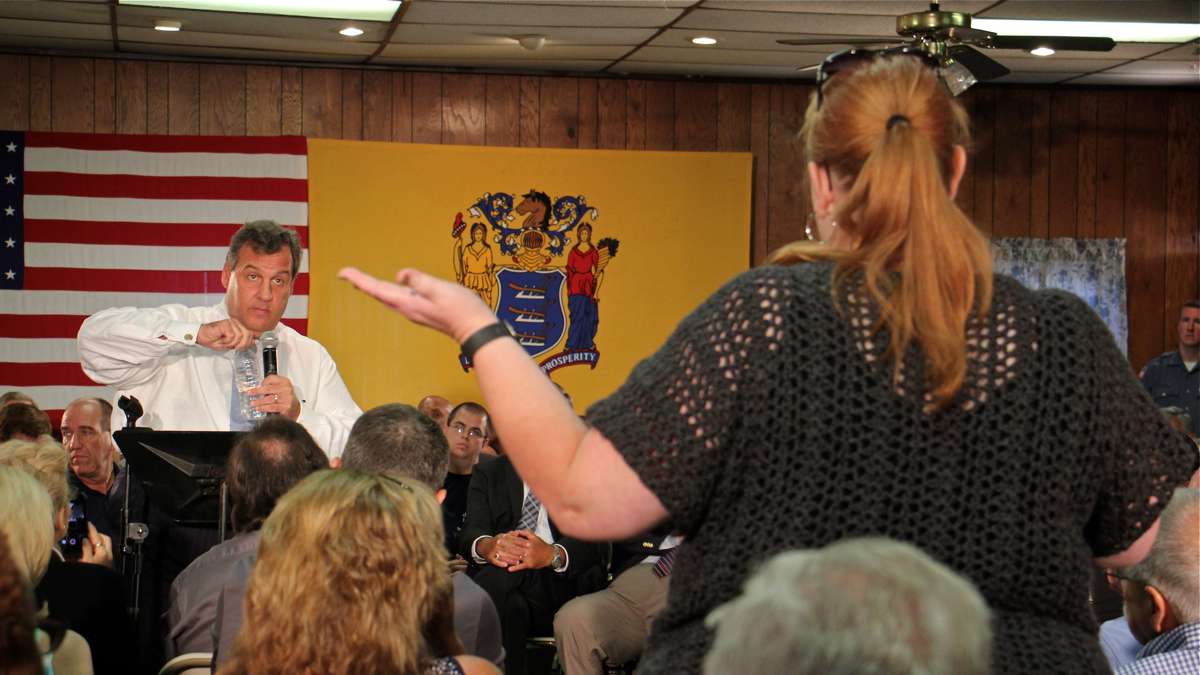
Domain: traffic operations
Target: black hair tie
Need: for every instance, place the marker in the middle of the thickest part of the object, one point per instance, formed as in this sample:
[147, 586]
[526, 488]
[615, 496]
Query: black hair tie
[896, 119]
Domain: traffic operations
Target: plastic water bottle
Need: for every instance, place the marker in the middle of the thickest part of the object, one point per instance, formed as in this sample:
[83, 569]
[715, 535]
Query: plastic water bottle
[245, 364]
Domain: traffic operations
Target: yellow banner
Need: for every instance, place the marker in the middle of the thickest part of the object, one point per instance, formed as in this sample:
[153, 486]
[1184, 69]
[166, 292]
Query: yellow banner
[592, 256]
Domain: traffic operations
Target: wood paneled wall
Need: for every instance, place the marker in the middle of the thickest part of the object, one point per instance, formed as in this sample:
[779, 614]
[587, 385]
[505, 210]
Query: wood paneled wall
[1048, 162]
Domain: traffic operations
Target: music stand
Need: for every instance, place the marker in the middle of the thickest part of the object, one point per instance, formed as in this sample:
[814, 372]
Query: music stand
[182, 474]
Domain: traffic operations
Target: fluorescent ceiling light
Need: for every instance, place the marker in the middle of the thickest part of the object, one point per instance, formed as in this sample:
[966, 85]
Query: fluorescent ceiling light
[1041, 51]
[1117, 30]
[704, 41]
[168, 26]
[363, 10]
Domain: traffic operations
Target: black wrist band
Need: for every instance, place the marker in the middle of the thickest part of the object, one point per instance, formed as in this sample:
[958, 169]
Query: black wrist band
[483, 336]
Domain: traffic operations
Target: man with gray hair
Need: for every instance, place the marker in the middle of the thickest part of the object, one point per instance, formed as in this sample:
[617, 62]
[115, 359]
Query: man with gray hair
[179, 361]
[399, 438]
[1162, 593]
[868, 605]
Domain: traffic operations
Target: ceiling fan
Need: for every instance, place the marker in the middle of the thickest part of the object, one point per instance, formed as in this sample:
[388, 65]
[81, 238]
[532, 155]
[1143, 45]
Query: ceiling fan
[949, 37]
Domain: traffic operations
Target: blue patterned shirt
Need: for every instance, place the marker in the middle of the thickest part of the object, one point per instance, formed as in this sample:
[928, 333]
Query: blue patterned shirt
[1176, 652]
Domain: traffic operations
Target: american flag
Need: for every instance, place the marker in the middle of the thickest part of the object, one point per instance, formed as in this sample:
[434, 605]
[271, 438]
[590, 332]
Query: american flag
[91, 221]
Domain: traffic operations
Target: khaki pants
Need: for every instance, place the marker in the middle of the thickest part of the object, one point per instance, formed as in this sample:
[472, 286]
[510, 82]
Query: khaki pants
[609, 625]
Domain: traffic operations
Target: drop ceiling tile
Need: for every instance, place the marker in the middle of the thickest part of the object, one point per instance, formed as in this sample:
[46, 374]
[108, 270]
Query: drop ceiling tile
[1159, 67]
[511, 51]
[79, 12]
[60, 43]
[1162, 11]
[184, 39]
[1033, 64]
[786, 22]
[745, 40]
[876, 8]
[1138, 79]
[483, 35]
[616, 4]
[239, 53]
[252, 24]
[1032, 78]
[1186, 52]
[501, 14]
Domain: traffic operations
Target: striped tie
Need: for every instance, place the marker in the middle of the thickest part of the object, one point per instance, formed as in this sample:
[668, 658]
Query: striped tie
[529, 513]
[663, 567]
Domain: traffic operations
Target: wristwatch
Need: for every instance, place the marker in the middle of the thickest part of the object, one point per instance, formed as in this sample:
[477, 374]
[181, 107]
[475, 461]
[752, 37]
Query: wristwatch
[557, 562]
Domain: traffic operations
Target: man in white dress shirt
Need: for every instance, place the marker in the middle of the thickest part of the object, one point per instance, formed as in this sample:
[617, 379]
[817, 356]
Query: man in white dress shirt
[178, 361]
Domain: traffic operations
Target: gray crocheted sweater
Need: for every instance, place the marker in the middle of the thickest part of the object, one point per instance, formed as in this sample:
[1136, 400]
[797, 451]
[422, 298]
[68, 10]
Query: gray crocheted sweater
[770, 421]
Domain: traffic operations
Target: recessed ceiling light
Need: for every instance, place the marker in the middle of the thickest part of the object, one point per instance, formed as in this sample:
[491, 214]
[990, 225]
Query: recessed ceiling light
[1041, 51]
[360, 10]
[1120, 31]
[351, 31]
[703, 40]
[168, 26]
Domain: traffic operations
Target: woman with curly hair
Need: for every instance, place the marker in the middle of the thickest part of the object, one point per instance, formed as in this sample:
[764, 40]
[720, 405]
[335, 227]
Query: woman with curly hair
[351, 578]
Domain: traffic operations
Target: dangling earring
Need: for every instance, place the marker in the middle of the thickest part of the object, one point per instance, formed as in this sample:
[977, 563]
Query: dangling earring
[810, 230]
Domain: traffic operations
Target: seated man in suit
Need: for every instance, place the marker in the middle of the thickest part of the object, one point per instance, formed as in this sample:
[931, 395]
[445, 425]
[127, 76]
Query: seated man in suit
[529, 569]
[611, 625]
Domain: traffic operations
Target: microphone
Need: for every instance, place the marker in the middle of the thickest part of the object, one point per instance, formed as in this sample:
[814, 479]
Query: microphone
[269, 345]
[132, 409]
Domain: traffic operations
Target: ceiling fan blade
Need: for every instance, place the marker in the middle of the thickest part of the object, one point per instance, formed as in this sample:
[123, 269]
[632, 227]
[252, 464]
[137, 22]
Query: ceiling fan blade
[960, 34]
[805, 42]
[1056, 42]
[982, 67]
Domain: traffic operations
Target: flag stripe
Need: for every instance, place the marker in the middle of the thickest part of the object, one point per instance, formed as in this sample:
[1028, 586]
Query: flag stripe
[57, 398]
[86, 303]
[172, 164]
[167, 258]
[106, 210]
[291, 145]
[52, 326]
[166, 187]
[39, 326]
[44, 374]
[19, 350]
[139, 234]
[125, 280]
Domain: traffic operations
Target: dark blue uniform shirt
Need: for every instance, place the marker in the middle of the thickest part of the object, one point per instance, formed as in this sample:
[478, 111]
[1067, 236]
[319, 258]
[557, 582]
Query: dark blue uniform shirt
[1171, 384]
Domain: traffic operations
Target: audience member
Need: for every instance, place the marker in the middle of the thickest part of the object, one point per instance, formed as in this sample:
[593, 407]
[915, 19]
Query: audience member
[467, 430]
[265, 463]
[351, 578]
[1006, 435]
[19, 653]
[16, 397]
[528, 567]
[437, 408]
[88, 598]
[866, 605]
[100, 482]
[23, 421]
[1162, 593]
[395, 438]
[610, 626]
[27, 521]
[1173, 378]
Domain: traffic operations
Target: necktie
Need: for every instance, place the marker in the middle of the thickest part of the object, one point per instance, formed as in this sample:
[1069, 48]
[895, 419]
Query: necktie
[662, 567]
[529, 513]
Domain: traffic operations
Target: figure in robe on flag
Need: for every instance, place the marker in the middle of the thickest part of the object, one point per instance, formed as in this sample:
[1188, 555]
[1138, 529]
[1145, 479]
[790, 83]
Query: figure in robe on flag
[583, 281]
[473, 266]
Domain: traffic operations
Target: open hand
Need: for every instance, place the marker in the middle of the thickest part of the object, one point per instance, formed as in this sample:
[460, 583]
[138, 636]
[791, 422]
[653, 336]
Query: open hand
[439, 304]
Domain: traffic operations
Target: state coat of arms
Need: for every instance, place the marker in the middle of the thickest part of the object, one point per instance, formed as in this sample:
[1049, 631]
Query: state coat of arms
[525, 260]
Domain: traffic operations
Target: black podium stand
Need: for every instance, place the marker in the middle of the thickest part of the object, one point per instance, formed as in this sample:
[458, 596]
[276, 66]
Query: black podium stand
[182, 474]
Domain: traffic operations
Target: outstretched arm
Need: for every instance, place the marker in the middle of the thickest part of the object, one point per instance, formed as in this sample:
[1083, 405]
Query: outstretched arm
[585, 483]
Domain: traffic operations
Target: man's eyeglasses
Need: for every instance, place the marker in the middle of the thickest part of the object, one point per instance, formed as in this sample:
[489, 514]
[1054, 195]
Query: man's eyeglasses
[472, 433]
[850, 59]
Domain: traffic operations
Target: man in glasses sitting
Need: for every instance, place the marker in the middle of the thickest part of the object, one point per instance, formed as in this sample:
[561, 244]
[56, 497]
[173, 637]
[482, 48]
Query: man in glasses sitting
[467, 431]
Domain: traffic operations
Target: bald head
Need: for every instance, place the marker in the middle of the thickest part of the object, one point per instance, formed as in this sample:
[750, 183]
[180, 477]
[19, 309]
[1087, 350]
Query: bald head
[436, 408]
[85, 430]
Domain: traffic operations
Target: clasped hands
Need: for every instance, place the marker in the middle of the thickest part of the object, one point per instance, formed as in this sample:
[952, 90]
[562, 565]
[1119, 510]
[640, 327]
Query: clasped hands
[275, 394]
[517, 550]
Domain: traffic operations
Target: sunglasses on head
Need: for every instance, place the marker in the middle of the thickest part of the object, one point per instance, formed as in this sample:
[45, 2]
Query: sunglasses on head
[850, 59]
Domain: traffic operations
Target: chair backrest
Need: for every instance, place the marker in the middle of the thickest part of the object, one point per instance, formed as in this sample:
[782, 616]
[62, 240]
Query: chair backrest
[195, 663]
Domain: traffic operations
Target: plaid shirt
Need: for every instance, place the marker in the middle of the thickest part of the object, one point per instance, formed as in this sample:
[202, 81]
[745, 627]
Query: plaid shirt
[1174, 652]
